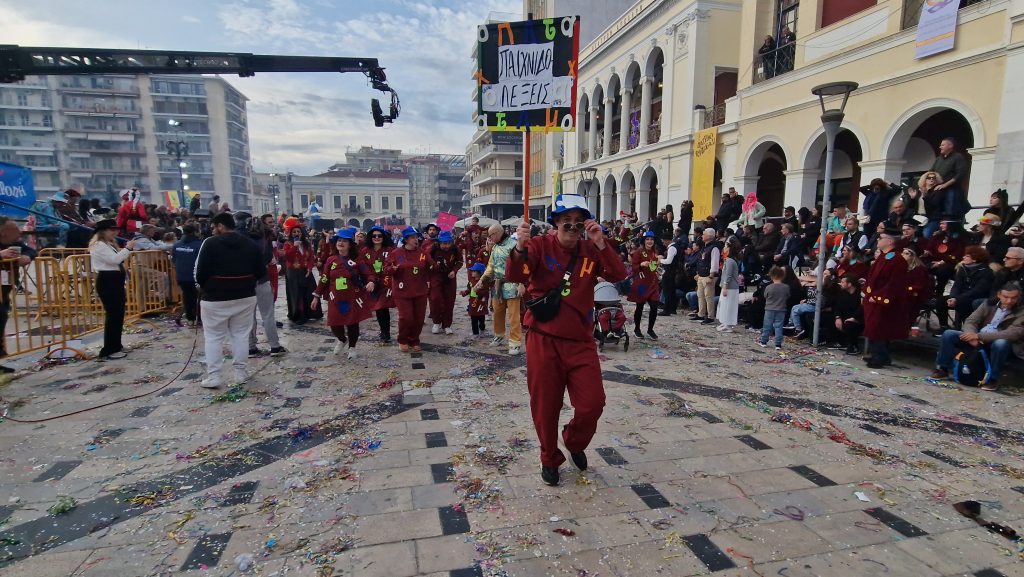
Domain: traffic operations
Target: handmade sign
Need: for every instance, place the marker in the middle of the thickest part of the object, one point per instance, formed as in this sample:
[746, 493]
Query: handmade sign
[526, 75]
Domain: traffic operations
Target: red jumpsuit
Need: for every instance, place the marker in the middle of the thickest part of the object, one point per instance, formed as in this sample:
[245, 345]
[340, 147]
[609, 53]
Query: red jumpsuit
[341, 288]
[560, 353]
[646, 286]
[383, 296]
[408, 270]
[442, 285]
[130, 217]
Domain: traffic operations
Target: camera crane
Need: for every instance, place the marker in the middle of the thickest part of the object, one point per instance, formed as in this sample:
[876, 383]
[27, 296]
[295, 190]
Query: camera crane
[17, 62]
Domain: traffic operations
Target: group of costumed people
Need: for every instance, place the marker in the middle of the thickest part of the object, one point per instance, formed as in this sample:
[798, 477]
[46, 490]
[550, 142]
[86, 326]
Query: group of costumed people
[364, 275]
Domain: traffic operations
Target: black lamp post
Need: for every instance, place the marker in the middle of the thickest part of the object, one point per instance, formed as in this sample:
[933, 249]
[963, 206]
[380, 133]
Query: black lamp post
[178, 148]
[832, 120]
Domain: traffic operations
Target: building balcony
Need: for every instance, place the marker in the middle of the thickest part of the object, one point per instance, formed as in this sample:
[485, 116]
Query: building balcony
[99, 90]
[497, 175]
[32, 126]
[714, 116]
[775, 63]
[77, 170]
[497, 198]
[496, 150]
[29, 147]
[72, 149]
[97, 130]
[102, 112]
[40, 108]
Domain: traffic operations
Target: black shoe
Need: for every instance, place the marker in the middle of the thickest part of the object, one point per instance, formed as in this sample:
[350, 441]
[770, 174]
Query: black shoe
[8, 370]
[874, 363]
[256, 352]
[853, 350]
[279, 324]
[696, 317]
[799, 334]
[639, 335]
[651, 335]
[836, 346]
[580, 460]
[707, 322]
[277, 351]
[549, 475]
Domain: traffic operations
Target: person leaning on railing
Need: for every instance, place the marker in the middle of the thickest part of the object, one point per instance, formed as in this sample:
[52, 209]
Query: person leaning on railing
[107, 260]
[16, 254]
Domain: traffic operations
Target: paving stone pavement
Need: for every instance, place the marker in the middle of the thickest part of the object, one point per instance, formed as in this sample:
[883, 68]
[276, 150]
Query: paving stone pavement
[713, 457]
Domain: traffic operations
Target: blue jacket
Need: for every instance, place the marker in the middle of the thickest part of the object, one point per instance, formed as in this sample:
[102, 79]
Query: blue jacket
[185, 253]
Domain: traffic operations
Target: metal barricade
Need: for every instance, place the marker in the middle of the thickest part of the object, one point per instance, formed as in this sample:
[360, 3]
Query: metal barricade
[64, 305]
[150, 281]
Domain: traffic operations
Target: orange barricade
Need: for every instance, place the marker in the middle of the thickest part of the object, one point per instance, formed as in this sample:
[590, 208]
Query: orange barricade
[64, 306]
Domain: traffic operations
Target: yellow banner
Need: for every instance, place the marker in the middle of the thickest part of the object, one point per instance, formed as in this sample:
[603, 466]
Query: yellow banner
[702, 179]
[171, 199]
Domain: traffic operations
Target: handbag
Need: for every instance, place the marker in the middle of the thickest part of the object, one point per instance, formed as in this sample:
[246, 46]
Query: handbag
[546, 306]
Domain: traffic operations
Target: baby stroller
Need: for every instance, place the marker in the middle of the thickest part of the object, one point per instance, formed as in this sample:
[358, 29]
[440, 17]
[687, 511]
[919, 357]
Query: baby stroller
[609, 318]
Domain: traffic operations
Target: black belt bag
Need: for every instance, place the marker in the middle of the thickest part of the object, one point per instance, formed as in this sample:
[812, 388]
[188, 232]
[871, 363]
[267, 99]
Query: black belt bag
[546, 306]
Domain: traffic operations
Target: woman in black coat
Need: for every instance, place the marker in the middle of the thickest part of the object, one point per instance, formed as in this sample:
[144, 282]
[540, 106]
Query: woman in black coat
[686, 217]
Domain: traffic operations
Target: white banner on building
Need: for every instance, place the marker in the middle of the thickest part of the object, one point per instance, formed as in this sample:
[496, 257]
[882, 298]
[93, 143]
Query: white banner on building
[936, 30]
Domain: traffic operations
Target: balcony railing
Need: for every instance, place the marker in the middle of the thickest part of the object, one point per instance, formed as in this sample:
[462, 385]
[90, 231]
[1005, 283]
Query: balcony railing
[772, 64]
[499, 173]
[715, 116]
[616, 144]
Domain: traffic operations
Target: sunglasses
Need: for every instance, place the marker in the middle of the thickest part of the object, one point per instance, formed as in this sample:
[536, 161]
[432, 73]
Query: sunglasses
[376, 236]
[571, 226]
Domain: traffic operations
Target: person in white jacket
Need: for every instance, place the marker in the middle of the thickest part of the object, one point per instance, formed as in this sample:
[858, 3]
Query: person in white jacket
[753, 213]
[107, 260]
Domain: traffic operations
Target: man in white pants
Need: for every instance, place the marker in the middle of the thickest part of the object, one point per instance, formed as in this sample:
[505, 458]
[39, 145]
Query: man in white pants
[227, 269]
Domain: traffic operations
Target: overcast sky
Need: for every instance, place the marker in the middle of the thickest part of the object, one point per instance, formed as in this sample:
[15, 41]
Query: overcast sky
[300, 122]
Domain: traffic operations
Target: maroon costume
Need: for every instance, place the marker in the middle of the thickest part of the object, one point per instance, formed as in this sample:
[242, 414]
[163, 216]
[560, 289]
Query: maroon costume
[561, 353]
[646, 286]
[408, 270]
[342, 290]
[442, 287]
[886, 299]
[383, 296]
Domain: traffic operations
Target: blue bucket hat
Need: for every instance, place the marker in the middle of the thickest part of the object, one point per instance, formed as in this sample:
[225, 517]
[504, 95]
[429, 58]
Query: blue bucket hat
[649, 234]
[478, 267]
[445, 236]
[567, 202]
[409, 231]
[348, 234]
[378, 228]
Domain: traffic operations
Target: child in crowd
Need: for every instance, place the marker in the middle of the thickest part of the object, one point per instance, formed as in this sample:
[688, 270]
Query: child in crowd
[477, 300]
[775, 297]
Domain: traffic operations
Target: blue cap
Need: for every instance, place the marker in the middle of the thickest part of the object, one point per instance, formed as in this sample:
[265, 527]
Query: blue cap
[478, 267]
[649, 234]
[378, 228]
[567, 202]
[445, 236]
[344, 234]
[409, 231]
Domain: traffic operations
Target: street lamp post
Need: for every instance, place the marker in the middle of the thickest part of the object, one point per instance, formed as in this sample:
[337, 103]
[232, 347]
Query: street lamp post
[587, 176]
[831, 120]
[179, 149]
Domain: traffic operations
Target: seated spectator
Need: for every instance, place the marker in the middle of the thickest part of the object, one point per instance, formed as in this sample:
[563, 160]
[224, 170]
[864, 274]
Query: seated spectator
[943, 252]
[997, 325]
[973, 281]
[909, 238]
[899, 215]
[1012, 271]
[991, 237]
[848, 315]
[811, 231]
[872, 246]
[852, 262]
[806, 305]
[144, 240]
[999, 207]
[766, 244]
[789, 253]
[789, 215]
[920, 284]
[851, 237]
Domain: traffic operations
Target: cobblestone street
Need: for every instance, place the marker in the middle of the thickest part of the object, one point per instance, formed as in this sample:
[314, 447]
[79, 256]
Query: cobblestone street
[713, 457]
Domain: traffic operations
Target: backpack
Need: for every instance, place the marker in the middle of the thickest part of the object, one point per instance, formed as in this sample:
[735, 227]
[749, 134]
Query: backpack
[971, 367]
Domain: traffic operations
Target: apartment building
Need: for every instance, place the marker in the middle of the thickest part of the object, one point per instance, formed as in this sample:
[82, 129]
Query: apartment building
[104, 133]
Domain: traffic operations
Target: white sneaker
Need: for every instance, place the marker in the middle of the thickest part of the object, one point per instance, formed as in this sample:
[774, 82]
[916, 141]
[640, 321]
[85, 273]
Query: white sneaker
[241, 375]
[339, 347]
[449, 331]
[496, 341]
[726, 329]
[351, 353]
[514, 349]
[212, 383]
[435, 329]
[720, 328]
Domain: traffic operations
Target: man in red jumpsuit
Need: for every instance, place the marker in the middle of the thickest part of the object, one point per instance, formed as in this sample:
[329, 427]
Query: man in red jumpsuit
[560, 353]
[408, 266]
[447, 262]
[886, 305]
